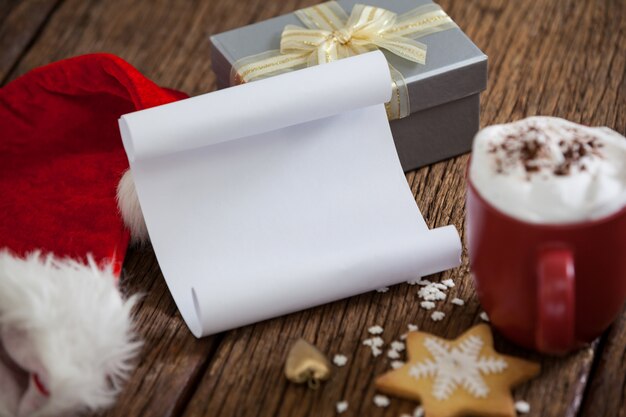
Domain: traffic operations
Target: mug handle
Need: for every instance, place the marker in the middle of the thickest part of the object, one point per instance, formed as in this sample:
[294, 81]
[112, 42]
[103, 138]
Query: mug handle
[555, 300]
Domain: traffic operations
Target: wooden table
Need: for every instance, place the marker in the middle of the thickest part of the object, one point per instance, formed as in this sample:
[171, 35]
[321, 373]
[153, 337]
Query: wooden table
[565, 58]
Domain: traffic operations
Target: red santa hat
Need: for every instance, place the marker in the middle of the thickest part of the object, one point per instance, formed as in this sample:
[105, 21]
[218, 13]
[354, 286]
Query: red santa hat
[66, 339]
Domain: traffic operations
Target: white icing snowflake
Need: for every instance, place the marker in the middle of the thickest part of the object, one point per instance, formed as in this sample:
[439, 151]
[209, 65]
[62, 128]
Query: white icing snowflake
[457, 366]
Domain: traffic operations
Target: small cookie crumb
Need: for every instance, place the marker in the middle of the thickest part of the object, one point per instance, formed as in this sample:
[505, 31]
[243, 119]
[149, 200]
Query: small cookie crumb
[448, 283]
[418, 412]
[396, 345]
[437, 316]
[484, 316]
[522, 407]
[457, 301]
[382, 289]
[375, 330]
[340, 360]
[341, 406]
[393, 354]
[397, 364]
[381, 400]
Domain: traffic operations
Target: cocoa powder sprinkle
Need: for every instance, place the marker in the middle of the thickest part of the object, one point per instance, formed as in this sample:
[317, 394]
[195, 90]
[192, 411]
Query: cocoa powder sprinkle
[530, 146]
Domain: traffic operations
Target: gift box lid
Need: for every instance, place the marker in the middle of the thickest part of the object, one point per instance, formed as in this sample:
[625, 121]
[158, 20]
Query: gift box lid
[455, 67]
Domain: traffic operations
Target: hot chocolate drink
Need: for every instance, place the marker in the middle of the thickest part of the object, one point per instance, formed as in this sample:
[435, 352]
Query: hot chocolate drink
[549, 170]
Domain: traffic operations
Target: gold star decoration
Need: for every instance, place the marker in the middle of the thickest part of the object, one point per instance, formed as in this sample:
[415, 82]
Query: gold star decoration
[460, 377]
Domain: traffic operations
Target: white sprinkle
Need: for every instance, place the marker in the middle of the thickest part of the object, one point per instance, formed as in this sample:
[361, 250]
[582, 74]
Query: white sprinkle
[457, 301]
[341, 406]
[437, 315]
[484, 316]
[428, 305]
[418, 412]
[431, 293]
[393, 354]
[340, 360]
[413, 281]
[412, 328]
[378, 341]
[440, 286]
[423, 282]
[382, 289]
[375, 343]
[448, 283]
[381, 400]
[522, 407]
[375, 329]
[397, 364]
[396, 345]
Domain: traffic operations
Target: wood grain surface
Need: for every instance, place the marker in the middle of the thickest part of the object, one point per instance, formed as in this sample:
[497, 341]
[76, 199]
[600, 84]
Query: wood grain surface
[556, 57]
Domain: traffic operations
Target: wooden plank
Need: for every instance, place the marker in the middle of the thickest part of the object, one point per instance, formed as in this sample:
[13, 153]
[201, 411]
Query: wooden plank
[537, 67]
[20, 22]
[606, 394]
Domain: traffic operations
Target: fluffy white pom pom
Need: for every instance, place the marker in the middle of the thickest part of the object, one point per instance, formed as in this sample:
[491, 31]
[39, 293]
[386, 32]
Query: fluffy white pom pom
[66, 338]
[130, 209]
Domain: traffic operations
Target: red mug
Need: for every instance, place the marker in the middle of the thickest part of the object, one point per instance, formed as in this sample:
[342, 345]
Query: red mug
[547, 287]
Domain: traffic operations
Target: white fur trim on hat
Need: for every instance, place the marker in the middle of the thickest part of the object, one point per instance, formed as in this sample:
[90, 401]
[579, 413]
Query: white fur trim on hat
[130, 209]
[66, 337]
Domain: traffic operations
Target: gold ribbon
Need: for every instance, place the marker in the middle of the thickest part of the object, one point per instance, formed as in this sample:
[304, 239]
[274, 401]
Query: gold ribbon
[331, 34]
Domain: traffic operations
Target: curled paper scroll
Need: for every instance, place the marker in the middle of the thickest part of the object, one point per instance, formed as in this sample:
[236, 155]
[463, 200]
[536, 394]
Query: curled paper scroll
[279, 195]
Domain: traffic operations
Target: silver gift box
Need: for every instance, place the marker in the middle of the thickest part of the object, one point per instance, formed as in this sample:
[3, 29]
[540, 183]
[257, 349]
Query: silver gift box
[444, 93]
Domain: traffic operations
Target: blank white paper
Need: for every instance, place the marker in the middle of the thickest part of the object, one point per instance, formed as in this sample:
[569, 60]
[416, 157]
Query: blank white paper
[279, 195]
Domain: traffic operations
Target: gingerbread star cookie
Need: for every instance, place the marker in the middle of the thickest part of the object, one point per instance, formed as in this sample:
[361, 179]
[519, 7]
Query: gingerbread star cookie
[453, 378]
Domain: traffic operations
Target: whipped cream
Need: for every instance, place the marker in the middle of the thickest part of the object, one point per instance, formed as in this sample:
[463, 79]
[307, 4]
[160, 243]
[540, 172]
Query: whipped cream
[550, 170]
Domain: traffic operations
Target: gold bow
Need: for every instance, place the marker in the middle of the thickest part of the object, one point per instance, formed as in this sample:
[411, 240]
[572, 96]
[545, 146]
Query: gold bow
[331, 34]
